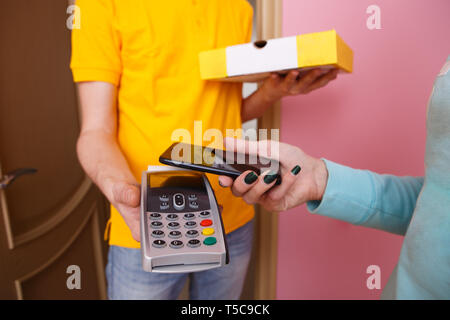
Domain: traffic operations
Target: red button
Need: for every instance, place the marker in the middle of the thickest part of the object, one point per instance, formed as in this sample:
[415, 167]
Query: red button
[206, 223]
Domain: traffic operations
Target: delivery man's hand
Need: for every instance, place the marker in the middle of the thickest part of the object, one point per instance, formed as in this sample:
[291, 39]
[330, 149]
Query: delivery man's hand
[100, 154]
[277, 86]
[304, 178]
[126, 199]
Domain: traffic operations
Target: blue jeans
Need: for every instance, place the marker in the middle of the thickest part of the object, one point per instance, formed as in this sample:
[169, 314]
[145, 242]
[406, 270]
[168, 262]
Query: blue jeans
[127, 279]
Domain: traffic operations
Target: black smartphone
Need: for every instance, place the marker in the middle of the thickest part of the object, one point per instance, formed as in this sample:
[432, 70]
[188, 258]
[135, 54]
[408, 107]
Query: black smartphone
[217, 161]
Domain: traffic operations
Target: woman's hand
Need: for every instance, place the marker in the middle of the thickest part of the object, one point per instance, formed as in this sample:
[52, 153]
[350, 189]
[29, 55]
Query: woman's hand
[304, 178]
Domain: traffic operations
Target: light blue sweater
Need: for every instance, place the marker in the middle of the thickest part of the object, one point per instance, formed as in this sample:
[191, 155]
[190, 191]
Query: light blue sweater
[418, 208]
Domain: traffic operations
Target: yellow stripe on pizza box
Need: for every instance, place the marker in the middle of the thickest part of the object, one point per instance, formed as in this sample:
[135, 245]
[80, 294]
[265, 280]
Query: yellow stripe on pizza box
[254, 61]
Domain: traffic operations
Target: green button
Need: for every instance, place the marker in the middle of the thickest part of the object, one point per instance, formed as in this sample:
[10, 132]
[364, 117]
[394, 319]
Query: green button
[210, 241]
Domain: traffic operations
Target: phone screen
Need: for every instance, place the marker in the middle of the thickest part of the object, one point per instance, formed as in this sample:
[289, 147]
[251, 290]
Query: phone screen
[216, 160]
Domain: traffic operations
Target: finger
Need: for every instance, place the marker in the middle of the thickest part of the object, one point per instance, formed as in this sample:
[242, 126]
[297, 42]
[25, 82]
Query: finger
[265, 182]
[269, 149]
[285, 153]
[289, 81]
[225, 181]
[265, 148]
[322, 81]
[126, 194]
[241, 146]
[274, 79]
[287, 180]
[243, 183]
[305, 81]
[132, 219]
[136, 232]
[289, 155]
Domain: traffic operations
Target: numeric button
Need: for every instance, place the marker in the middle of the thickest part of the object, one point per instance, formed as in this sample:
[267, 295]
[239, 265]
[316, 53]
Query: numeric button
[155, 216]
[157, 234]
[204, 214]
[173, 225]
[175, 234]
[193, 243]
[172, 217]
[192, 234]
[156, 225]
[159, 243]
[176, 244]
[189, 216]
[190, 224]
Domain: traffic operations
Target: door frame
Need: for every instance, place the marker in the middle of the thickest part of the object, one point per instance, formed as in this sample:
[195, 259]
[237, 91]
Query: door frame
[269, 25]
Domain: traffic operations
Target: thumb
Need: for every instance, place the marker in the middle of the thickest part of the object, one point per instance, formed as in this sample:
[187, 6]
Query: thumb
[126, 194]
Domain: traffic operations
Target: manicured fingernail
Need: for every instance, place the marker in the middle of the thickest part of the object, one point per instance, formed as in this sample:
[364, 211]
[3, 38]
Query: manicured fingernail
[220, 184]
[270, 177]
[250, 177]
[296, 170]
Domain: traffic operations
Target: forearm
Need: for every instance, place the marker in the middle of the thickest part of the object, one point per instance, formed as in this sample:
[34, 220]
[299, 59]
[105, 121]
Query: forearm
[365, 198]
[100, 154]
[255, 105]
[103, 161]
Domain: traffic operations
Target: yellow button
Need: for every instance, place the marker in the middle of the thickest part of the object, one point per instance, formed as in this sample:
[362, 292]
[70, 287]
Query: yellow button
[208, 231]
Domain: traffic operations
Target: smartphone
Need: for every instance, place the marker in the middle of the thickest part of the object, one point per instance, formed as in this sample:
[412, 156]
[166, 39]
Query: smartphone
[217, 161]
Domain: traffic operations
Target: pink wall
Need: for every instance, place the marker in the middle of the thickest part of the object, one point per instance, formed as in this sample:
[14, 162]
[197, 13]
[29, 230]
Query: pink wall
[372, 119]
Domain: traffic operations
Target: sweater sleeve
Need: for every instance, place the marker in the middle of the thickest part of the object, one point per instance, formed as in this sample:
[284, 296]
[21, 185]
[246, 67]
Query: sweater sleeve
[362, 197]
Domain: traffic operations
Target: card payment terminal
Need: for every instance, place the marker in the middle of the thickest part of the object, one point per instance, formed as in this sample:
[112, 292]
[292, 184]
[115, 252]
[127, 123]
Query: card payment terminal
[181, 225]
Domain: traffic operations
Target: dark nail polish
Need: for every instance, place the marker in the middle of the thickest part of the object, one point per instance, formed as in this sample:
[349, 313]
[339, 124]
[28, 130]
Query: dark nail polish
[270, 177]
[220, 184]
[296, 170]
[250, 178]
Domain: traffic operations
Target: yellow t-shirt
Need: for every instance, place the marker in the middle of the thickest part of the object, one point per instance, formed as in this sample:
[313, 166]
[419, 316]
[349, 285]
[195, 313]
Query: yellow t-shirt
[149, 49]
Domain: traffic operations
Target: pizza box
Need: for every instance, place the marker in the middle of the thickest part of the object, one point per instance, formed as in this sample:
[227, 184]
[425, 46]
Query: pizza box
[252, 62]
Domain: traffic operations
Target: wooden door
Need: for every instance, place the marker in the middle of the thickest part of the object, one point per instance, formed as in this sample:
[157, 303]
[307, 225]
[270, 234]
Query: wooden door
[54, 218]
